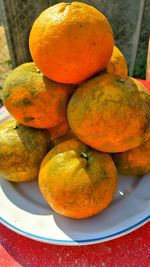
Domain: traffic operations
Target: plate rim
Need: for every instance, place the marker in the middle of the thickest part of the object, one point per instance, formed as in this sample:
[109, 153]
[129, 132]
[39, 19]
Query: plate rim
[76, 242]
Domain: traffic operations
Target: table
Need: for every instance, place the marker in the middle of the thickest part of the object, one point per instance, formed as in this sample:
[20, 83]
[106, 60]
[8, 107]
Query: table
[130, 250]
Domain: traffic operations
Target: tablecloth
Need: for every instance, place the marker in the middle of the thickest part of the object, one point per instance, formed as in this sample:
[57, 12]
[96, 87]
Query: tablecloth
[130, 250]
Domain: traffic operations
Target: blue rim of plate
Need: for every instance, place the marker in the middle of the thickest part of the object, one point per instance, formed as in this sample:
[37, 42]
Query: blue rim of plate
[75, 242]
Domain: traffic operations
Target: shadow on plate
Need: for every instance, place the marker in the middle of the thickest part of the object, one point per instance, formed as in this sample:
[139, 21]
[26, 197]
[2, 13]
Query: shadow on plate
[26, 196]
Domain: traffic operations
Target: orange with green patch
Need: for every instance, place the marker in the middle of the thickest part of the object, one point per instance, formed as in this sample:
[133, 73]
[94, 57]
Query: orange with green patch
[21, 151]
[34, 100]
[110, 113]
[77, 181]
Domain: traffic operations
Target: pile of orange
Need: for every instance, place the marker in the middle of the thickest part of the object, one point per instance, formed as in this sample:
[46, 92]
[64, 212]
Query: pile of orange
[76, 89]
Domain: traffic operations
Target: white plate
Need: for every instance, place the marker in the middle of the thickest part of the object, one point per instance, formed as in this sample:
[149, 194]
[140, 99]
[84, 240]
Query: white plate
[24, 211]
[4, 115]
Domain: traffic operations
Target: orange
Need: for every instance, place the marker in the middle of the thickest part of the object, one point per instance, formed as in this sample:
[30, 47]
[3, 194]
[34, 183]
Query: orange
[110, 113]
[117, 64]
[59, 130]
[21, 151]
[34, 100]
[135, 161]
[65, 137]
[70, 42]
[77, 181]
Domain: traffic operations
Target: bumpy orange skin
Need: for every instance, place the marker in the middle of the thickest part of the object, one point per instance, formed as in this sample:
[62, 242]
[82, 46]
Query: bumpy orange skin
[117, 64]
[21, 151]
[74, 186]
[70, 42]
[110, 113]
[135, 161]
[33, 99]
